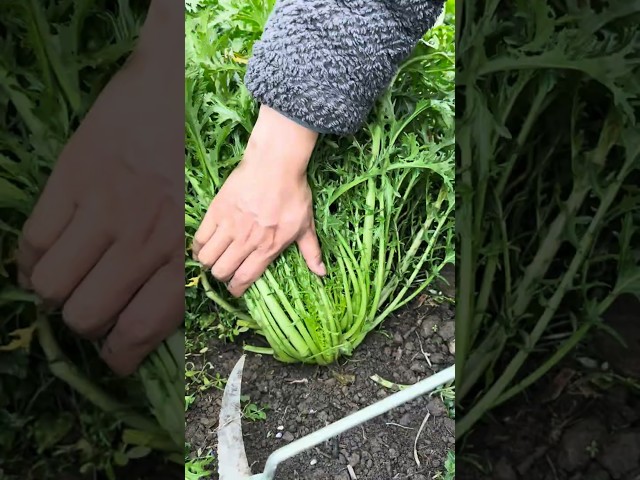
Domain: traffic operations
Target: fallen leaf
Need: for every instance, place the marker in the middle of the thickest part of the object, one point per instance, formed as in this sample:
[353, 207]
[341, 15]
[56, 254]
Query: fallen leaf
[21, 339]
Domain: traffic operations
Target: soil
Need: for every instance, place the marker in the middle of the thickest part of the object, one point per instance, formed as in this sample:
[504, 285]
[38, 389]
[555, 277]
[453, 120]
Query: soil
[302, 399]
[582, 421]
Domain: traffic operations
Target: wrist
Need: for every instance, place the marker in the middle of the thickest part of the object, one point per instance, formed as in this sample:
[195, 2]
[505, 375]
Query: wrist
[279, 143]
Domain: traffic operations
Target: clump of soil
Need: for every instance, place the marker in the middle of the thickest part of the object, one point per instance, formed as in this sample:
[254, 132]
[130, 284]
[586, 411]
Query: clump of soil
[580, 432]
[302, 399]
[580, 421]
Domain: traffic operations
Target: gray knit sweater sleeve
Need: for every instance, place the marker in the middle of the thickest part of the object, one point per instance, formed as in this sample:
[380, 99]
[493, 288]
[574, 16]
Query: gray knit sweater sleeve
[323, 63]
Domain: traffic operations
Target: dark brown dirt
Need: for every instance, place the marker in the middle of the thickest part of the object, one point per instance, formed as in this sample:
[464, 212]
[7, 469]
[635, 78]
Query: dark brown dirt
[582, 421]
[302, 399]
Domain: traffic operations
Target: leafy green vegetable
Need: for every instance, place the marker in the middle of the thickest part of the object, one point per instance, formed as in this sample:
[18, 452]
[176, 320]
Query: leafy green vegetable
[548, 201]
[384, 199]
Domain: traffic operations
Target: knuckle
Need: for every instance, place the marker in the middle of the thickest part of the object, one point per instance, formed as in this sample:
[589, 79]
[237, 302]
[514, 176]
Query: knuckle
[242, 279]
[138, 333]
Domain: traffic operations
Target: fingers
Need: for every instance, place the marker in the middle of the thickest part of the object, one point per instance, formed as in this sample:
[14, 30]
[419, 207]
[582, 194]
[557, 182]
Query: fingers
[215, 247]
[65, 264]
[204, 233]
[51, 215]
[152, 315]
[310, 250]
[95, 304]
[231, 259]
[250, 271]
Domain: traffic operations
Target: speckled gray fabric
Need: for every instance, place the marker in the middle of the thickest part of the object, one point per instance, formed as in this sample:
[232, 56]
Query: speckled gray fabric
[323, 63]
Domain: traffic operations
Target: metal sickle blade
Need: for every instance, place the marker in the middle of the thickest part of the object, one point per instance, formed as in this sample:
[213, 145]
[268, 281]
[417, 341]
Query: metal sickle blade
[232, 458]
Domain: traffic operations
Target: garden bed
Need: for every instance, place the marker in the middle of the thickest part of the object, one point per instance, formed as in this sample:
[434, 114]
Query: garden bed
[301, 399]
[584, 433]
[582, 420]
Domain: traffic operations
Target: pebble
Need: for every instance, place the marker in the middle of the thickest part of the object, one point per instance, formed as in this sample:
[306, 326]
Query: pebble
[354, 459]
[313, 461]
[621, 453]
[436, 358]
[447, 331]
[436, 408]
[504, 470]
[575, 443]
[430, 326]
[406, 420]
[288, 437]
[419, 367]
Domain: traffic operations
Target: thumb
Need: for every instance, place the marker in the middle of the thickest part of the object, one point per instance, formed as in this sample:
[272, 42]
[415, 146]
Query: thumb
[310, 250]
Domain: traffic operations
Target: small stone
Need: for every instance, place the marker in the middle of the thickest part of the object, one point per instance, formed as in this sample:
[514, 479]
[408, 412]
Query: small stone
[397, 339]
[447, 330]
[313, 461]
[578, 440]
[436, 358]
[436, 408]
[621, 453]
[504, 470]
[288, 437]
[409, 347]
[280, 428]
[452, 347]
[406, 420]
[354, 459]
[430, 326]
[419, 367]
[279, 435]
[393, 453]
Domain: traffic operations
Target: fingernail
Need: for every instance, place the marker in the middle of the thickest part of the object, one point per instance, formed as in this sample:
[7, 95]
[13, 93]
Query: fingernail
[322, 269]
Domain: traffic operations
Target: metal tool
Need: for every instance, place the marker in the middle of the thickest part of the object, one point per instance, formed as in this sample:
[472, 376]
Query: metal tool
[232, 459]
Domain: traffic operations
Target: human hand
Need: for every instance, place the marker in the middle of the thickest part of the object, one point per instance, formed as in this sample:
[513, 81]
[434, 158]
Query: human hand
[104, 241]
[264, 206]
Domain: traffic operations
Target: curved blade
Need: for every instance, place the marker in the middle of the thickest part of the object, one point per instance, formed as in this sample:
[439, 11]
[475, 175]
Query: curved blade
[232, 459]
